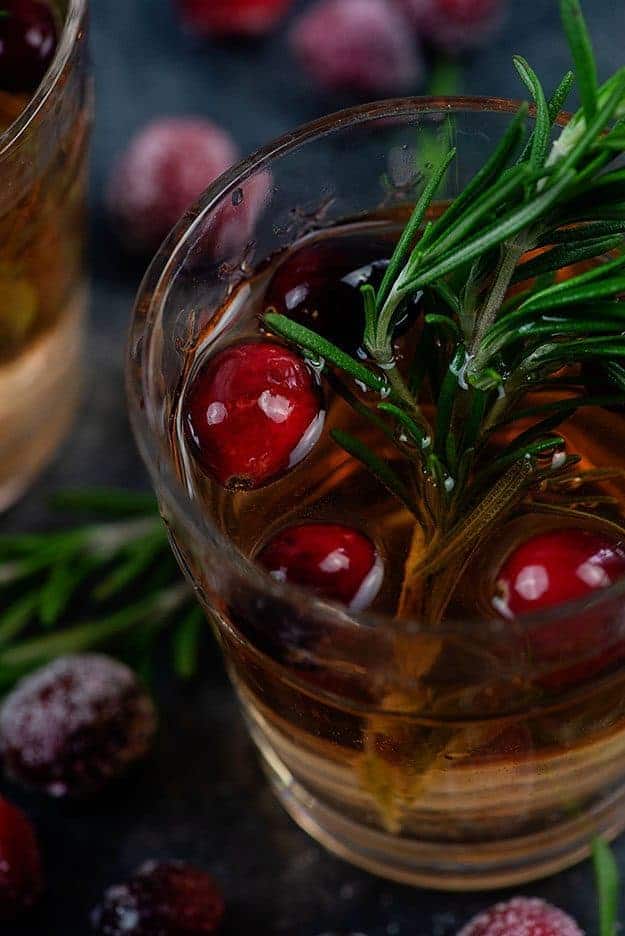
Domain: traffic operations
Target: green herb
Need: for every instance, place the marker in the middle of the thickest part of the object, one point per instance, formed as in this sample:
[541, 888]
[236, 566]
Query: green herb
[608, 885]
[120, 566]
[482, 347]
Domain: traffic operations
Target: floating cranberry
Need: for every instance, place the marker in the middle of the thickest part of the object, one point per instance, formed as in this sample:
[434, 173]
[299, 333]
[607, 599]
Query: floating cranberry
[232, 17]
[558, 566]
[335, 561]
[522, 916]
[164, 899]
[552, 568]
[361, 45]
[252, 412]
[75, 724]
[455, 25]
[21, 881]
[319, 285]
[165, 169]
[28, 41]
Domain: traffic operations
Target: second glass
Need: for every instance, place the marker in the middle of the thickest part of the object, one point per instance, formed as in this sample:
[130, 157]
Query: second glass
[43, 292]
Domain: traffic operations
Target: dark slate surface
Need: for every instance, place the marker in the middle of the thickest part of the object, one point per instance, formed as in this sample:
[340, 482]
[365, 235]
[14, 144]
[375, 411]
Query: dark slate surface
[202, 796]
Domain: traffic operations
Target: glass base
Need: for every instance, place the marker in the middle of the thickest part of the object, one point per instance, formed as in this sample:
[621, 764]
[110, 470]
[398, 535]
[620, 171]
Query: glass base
[446, 867]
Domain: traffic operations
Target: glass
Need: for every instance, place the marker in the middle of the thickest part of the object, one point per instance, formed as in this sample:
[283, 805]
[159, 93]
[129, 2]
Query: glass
[484, 770]
[43, 168]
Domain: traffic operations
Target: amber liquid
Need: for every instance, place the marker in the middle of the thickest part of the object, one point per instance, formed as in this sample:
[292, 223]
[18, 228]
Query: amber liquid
[451, 735]
[42, 287]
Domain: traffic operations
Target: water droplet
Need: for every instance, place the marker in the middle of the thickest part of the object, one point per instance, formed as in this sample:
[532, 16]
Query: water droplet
[238, 197]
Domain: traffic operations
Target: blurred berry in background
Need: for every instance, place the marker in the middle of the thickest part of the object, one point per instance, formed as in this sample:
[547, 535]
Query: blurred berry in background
[232, 17]
[363, 45]
[166, 167]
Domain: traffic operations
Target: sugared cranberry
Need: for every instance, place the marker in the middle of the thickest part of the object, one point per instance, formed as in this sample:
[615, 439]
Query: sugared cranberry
[253, 411]
[232, 17]
[522, 916]
[454, 25]
[335, 561]
[557, 566]
[164, 899]
[165, 169]
[319, 285]
[75, 724]
[28, 41]
[21, 881]
[361, 45]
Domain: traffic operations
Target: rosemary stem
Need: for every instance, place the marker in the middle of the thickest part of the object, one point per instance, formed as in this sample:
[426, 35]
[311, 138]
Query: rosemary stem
[511, 255]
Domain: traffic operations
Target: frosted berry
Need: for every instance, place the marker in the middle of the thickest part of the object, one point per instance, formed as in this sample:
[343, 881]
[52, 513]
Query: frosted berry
[454, 25]
[21, 881]
[232, 17]
[252, 412]
[165, 169]
[319, 285]
[75, 724]
[164, 899]
[557, 566]
[335, 561]
[28, 41]
[361, 45]
[522, 916]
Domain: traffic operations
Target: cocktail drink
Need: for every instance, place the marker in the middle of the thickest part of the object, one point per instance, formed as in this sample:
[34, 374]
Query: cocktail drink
[45, 113]
[387, 438]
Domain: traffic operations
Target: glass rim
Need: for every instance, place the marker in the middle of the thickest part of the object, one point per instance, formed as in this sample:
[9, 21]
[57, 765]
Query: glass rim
[152, 296]
[69, 35]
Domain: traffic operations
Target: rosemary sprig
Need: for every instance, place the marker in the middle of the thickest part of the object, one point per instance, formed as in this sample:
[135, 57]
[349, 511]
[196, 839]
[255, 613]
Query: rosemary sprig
[119, 566]
[481, 346]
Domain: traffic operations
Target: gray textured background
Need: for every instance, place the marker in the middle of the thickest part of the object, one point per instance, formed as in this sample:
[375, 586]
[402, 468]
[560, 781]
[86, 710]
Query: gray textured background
[201, 796]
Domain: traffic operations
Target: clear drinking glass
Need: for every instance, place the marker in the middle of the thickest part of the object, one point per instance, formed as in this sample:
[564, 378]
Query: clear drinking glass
[484, 770]
[43, 170]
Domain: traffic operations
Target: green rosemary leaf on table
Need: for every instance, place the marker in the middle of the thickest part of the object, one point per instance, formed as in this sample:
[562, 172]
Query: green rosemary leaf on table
[119, 568]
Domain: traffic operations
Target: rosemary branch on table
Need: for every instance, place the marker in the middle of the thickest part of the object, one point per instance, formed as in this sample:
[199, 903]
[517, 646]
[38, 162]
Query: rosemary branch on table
[118, 566]
[535, 208]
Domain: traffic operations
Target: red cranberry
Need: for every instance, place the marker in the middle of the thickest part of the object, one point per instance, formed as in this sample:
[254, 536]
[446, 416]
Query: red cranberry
[319, 285]
[165, 899]
[558, 566]
[335, 561]
[28, 41]
[75, 724]
[253, 411]
[361, 45]
[21, 881]
[455, 25]
[552, 568]
[232, 17]
[522, 916]
[165, 169]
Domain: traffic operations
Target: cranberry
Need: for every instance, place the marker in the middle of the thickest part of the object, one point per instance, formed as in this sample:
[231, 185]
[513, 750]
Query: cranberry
[164, 899]
[319, 285]
[361, 45]
[552, 568]
[232, 17]
[253, 411]
[558, 566]
[335, 561]
[28, 41]
[455, 25]
[165, 169]
[522, 916]
[227, 231]
[21, 881]
[75, 724]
